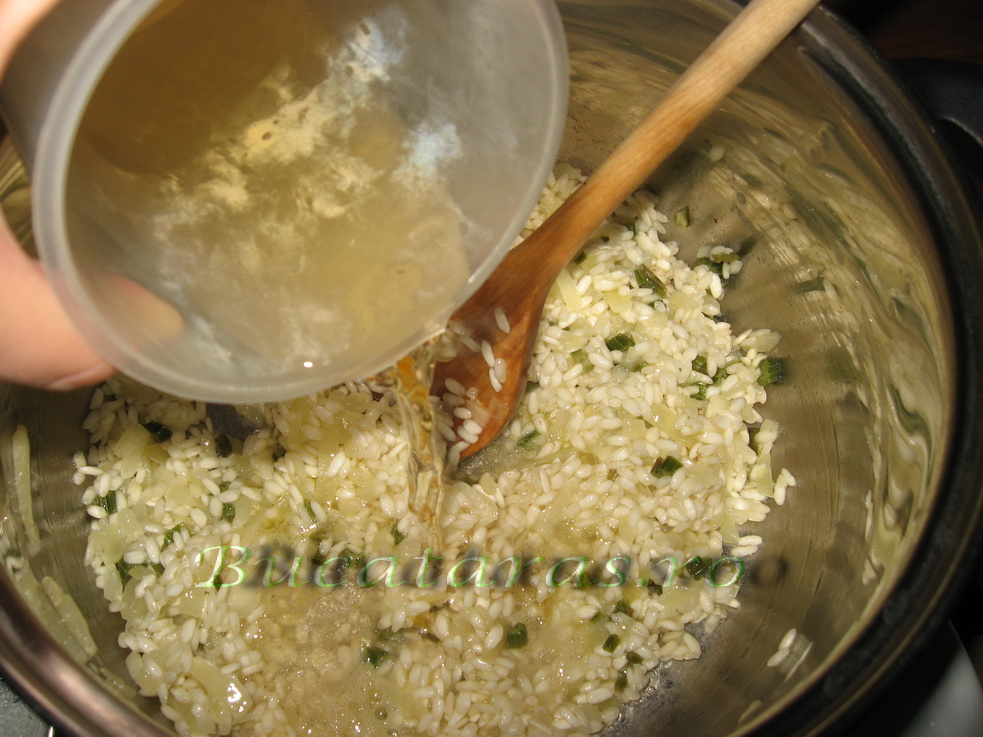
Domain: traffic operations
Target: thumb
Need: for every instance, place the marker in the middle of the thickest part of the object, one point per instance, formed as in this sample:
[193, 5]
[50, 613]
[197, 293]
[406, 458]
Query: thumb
[17, 17]
[39, 345]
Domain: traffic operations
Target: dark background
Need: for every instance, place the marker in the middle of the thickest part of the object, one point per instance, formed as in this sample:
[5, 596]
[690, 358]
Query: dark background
[918, 29]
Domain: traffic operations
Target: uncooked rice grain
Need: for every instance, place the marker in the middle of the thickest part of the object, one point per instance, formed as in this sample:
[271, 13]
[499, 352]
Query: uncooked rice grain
[580, 472]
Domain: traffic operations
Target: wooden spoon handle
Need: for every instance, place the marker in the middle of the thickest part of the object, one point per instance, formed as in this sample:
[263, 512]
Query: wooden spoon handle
[746, 41]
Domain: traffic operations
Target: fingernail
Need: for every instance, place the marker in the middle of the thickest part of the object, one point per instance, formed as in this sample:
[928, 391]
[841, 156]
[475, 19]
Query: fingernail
[86, 377]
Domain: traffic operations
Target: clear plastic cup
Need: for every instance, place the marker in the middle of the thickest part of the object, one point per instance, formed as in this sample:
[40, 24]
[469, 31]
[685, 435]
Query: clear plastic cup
[248, 205]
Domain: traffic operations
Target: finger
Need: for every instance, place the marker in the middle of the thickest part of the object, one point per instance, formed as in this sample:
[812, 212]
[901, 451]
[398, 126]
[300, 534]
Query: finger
[17, 18]
[39, 345]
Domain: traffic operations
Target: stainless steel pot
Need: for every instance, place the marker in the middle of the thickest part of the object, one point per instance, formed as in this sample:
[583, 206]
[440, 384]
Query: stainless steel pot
[861, 249]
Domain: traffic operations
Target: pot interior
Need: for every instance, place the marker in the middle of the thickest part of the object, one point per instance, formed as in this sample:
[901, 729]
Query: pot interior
[841, 258]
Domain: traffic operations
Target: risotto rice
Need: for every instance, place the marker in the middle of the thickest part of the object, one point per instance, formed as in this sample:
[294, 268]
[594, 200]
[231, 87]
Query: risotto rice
[273, 583]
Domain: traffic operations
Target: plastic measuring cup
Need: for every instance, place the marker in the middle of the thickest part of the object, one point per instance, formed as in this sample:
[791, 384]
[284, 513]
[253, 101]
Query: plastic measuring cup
[249, 202]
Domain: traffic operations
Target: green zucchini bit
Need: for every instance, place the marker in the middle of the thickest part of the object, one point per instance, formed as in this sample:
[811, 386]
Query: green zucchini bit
[374, 655]
[773, 371]
[517, 637]
[666, 467]
[619, 342]
[648, 280]
[580, 356]
[698, 567]
[107, 502]
[223, 446]
[160, 433]
[681, 218]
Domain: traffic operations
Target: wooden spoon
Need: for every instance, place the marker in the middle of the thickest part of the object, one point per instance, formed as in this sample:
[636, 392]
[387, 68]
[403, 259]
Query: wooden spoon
[521, 282]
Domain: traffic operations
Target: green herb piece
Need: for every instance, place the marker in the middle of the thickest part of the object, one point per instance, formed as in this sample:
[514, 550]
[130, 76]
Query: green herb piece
[654, 588]
[715, 261]
[317, 560]
[517, 637]
[158, 568]
[160, 433]
[619, 342]
[228, 512]
[611, 644]
[772, 370]
[580, 356]
[223, 446]
[527, 439]
[389, 637]
[374, 655]
[720, 375]
[621, 682]
[169, 535]
[648, 280]
[638, 367]
[352, 560]
[310, 510]
[715, 267]
[124, 568]
[666, 467]
[700, 365]
[622, 608]
[599, 618]
[107, 502]
[634, 658]
[681, 218]
[612, 474]
[701, 391]
[698, 567]
[398, 536]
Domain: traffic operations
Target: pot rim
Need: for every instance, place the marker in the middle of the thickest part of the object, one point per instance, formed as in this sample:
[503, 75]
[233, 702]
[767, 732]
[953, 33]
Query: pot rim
[76, 703]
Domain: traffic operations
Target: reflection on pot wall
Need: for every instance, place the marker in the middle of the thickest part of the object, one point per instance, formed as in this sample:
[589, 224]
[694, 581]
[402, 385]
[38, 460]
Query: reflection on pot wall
[838, 259]
[839, 262]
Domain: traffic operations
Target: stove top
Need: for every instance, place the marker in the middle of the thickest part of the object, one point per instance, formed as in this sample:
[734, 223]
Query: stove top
[17, 719]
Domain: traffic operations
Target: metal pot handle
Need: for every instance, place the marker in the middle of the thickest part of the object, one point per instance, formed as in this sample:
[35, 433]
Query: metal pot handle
[953, 93]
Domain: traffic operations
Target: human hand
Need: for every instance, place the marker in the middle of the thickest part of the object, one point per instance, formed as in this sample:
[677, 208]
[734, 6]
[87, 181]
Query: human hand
[39, 345]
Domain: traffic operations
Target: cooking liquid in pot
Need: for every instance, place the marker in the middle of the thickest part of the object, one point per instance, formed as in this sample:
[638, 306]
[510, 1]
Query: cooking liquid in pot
[255, 178]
